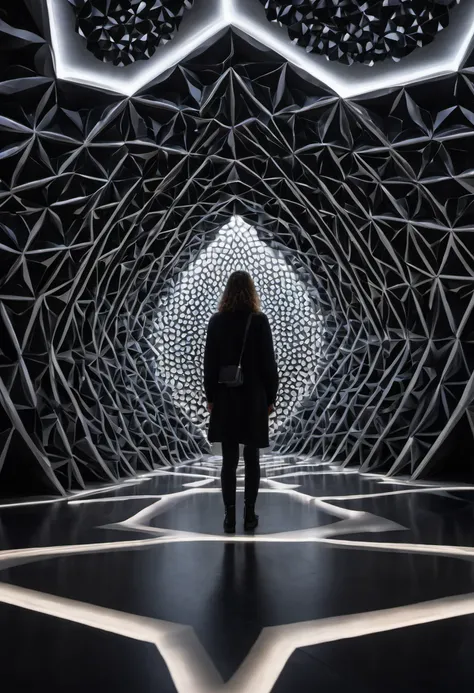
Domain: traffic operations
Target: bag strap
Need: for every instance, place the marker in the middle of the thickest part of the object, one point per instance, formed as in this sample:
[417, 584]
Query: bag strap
[249, 320]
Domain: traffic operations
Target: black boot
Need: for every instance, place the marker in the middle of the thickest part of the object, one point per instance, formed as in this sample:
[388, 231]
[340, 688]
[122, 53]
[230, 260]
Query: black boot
[229, 519]
[250, 518]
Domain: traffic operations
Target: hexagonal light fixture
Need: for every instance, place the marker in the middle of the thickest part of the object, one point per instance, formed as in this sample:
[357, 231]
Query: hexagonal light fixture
[208, 18]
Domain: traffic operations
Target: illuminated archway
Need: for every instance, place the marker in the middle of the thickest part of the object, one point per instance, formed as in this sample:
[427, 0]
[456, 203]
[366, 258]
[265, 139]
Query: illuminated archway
[184, 310]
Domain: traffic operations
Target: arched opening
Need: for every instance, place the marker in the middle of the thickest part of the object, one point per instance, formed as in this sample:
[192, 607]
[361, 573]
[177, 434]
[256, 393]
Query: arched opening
[183, 310]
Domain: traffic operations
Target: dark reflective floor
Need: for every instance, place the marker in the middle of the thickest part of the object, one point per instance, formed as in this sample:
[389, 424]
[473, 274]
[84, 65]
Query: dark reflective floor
[136, 589]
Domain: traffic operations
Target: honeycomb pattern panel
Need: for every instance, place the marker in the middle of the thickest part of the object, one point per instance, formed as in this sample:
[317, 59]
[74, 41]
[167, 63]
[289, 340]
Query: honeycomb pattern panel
[178, 332]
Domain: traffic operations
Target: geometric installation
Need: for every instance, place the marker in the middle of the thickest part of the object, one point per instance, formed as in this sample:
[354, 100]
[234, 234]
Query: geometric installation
[206, 21]
[123, 31]
[364, 31]
[184, 311]
[271, 641]
[106, 200]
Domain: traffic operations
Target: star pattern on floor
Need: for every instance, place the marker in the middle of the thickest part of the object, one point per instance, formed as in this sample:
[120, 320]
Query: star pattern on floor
[190, 667]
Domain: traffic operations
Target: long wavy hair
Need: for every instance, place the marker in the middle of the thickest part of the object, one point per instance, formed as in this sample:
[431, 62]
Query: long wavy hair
[239, 294]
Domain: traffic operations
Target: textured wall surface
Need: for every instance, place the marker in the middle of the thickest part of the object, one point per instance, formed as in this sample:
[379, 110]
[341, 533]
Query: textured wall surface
[365, 31]
[123, 31]
[185, 308]
[105, 200]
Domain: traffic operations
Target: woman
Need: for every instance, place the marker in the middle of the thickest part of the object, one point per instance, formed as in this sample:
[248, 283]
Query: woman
[239, 414]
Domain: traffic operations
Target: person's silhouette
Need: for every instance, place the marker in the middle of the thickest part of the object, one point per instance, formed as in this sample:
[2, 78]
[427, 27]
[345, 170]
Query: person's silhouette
[241, 382]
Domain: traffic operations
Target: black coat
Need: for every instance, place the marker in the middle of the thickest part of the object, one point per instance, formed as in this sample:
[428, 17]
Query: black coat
[240, 414]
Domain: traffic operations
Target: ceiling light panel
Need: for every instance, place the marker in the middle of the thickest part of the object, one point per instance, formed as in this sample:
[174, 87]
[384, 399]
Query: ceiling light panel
[207, 18]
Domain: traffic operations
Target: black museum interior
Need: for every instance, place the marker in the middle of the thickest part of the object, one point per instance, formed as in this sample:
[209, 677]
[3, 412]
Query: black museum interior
[148, 147]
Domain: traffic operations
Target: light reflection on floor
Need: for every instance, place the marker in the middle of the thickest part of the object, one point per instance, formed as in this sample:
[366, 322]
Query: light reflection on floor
[183, 506]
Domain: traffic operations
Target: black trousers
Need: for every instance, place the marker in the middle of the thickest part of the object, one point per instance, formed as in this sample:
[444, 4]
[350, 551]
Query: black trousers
[230, 460]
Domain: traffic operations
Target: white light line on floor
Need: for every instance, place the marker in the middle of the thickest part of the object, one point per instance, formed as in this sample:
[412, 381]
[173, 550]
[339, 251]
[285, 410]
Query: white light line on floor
[114, 499]
[189, 664]
[271, 483]
[13, 557]
[324, 473]
[274, 485]
[399, 547]
[277, 485]
[360, 525]
[139, 520]
[191, 668]
[382, 494]
[270, 469]
[192, 475]
[266, 660]
[75, 494]
[267, 466]
[24, 504]
[423, 484]
[72, 499]
[201, 482]
[114, 487]
[168, 501]
[205, 468]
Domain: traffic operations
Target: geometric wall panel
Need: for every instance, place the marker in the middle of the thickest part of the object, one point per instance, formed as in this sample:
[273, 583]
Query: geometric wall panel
[123, 31]
[106, 200]
[365, 31]
[183, 314]
[207, 20]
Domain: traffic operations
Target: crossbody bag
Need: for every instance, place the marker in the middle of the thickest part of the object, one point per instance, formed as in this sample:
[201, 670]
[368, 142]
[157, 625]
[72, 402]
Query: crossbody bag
[232, 376]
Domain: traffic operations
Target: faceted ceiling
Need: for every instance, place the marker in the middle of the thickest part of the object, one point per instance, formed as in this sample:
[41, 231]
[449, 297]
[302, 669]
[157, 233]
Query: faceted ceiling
[367, 31]
[106, 197]
[195, 26]
[363, 31]
[123, 31]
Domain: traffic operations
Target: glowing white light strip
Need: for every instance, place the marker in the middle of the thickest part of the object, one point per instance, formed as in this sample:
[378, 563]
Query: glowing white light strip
[165, 471]
[227, 13]
[276, 467]
[416, 69]
[296, 466]
[197, 484]
[272, 482]
[113, 487]
[361, 496]
[116, 499]
[344, 87]
[14, 557]
[344, 472]
[190, 666]
[76, 494]
[23, 504]
[277, 485]
[190, 474]
[395, 481]
[121, 80]
[352, 522]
